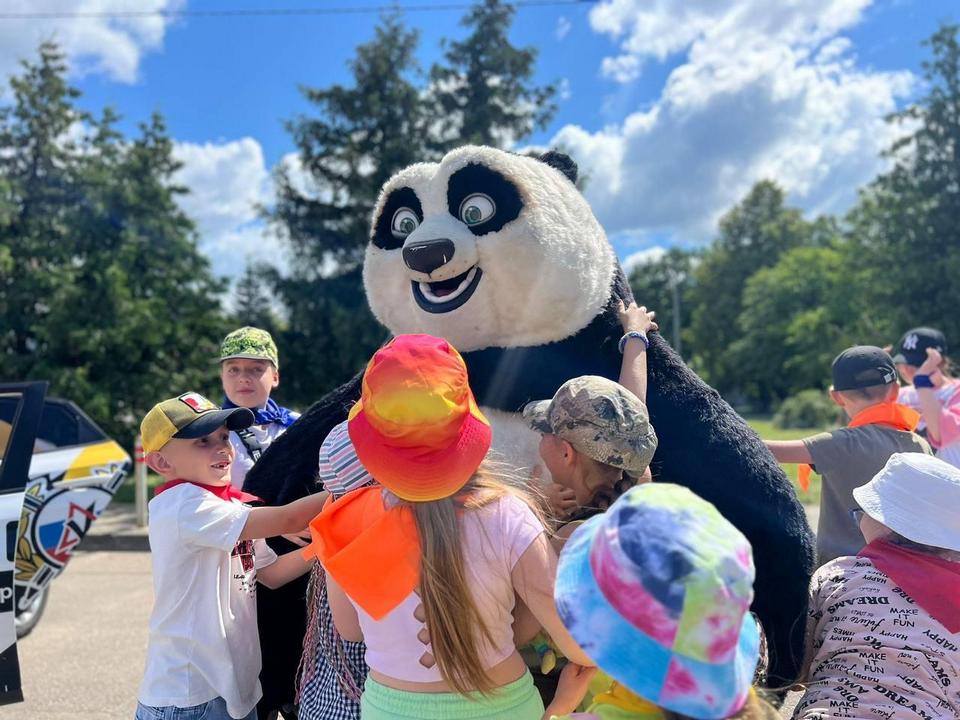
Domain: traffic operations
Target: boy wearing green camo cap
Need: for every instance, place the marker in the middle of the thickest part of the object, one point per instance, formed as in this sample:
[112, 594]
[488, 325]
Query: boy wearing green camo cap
[249, 371]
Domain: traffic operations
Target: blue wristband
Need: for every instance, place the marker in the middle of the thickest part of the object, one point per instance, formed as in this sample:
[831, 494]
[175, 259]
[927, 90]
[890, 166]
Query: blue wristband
[633, 334]
[923, 381]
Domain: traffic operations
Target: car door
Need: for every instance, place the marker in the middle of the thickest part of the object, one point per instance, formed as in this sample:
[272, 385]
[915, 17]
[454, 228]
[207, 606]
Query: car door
[76, 470]
[16, 440]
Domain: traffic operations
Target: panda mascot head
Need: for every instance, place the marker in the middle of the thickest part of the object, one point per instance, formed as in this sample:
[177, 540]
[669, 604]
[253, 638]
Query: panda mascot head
[487, 249]
[501, 255]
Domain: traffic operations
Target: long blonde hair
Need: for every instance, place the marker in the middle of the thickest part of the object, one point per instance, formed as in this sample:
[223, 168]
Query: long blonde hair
[457, 629]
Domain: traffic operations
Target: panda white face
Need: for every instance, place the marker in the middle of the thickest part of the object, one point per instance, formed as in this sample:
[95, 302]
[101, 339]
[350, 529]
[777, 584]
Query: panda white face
[486, 249]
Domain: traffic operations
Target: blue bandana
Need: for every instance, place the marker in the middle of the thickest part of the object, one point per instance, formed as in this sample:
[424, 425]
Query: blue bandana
[270, 413]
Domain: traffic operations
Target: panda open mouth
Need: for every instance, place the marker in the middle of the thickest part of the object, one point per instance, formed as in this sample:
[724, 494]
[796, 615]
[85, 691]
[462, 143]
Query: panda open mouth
[446, 295]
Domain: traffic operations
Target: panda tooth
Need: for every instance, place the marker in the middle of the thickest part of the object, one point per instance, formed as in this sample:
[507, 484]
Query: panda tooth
[428, 294]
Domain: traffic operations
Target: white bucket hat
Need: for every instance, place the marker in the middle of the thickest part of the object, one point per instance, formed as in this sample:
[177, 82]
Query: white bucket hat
[916, 496]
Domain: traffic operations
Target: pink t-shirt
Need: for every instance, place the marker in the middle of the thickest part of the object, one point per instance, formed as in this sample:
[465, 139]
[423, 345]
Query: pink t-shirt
[494, 537]
[874, 652]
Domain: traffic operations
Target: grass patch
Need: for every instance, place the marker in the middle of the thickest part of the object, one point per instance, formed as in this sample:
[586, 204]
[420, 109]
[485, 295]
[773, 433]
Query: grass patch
[126, 493]
[765, 428]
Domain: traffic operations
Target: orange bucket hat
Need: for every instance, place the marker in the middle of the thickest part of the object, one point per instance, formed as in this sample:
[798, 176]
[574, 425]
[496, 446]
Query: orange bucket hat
[417, 428]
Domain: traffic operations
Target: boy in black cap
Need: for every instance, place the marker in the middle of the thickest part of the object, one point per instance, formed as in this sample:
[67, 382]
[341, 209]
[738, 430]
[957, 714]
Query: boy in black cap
[865, 386]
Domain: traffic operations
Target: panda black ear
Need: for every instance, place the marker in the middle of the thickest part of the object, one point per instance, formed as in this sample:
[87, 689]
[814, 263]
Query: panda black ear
[562, 162]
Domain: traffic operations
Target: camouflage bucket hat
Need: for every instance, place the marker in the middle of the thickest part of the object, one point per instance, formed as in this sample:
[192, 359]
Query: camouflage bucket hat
[249, 343]
[601, 419]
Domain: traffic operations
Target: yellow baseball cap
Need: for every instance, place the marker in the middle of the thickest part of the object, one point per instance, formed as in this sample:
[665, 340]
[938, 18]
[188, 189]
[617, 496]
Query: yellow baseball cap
[189, 415]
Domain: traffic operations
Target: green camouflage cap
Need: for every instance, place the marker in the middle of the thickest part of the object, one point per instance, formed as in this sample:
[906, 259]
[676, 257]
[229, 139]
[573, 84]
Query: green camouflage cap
[601, 419]
[250, 343]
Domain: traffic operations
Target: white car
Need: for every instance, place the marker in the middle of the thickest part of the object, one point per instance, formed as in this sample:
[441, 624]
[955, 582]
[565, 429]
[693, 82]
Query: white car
[58, 472]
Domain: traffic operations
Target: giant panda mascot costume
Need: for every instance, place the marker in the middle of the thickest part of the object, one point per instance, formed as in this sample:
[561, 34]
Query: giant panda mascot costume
[501, 255]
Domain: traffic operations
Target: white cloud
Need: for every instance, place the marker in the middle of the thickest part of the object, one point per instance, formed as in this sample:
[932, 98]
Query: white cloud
[112, 46]
[563, 28]
[623, 68]
[227, 181]
[762, 90]
[642, 257]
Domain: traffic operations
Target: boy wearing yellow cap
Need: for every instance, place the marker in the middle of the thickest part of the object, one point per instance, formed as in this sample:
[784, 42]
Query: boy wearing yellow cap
[203, 654]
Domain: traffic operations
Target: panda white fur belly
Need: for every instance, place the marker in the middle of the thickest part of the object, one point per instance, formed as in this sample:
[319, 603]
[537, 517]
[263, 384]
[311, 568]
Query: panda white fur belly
[491, 250]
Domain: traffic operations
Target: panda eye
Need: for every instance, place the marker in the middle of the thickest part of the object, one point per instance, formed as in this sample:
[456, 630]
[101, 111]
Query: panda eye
[477, 208]
[404, 222]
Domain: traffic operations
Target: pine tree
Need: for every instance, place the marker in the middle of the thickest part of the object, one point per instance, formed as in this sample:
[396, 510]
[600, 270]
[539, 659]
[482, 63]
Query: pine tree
[483, 91]
[105, 293]
[905, 226]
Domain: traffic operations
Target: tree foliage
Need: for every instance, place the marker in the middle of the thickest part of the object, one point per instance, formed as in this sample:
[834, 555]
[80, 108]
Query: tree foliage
[664, 285]
[483, 91]
[905, 227]
[357, 137]
[104, 292]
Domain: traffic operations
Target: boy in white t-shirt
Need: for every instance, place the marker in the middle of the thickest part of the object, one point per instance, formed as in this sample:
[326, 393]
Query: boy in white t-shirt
[203, 655]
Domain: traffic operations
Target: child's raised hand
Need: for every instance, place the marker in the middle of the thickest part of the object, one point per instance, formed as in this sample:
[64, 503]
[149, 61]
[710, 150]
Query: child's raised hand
[634, 318]
[572, 688]
[932, 363]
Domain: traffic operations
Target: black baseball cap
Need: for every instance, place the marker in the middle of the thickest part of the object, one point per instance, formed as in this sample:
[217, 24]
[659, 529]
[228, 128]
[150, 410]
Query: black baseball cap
[912, 348]
[863, 366]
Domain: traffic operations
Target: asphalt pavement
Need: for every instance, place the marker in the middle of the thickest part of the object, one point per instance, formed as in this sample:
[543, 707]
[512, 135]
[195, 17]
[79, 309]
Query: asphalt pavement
[85, 658]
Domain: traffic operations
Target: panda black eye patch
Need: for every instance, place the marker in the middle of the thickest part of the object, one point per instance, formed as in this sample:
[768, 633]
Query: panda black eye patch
[401, 214]
[494, 200]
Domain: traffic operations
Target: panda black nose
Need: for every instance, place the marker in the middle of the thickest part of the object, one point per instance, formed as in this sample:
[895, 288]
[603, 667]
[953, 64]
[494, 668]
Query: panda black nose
[427, 255]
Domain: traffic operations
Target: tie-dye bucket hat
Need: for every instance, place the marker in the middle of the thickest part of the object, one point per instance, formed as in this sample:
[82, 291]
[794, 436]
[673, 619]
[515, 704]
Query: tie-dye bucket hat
[657, 591]
[417, 427]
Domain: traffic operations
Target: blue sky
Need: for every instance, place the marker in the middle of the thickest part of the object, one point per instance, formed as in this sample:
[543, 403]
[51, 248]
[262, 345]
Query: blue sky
[673, 107]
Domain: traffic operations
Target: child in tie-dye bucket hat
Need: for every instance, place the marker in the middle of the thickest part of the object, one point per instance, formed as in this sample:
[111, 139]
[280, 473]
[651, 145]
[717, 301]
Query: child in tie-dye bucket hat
[657, 592]
[425, 566]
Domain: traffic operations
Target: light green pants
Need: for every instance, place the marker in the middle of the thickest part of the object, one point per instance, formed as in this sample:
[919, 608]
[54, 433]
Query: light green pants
[517, 701]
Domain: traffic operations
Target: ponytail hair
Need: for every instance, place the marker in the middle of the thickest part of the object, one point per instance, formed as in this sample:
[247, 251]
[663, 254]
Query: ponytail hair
[452, 618]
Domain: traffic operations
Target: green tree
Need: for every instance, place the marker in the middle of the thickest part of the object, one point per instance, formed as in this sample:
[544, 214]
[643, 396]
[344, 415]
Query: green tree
[360, 136]
[797, 316]
[905, 225]
[122, 308]
[665, 285]
[253, 304]
[483, 89]
[753, 235]
[38, 167]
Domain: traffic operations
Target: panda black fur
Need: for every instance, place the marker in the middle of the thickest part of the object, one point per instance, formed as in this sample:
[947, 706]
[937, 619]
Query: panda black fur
[501, 255]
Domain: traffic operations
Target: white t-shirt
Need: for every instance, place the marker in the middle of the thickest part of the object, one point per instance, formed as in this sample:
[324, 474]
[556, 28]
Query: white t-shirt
[265, 434]
[203, 629]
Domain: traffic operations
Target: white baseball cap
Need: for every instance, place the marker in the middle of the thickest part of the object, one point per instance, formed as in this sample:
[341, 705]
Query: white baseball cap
[916, 496]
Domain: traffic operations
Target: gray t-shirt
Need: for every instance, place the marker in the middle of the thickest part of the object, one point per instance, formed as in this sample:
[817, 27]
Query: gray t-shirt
[846, 459]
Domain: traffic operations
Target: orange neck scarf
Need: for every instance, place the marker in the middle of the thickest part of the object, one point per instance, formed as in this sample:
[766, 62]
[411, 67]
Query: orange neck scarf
[891, 414]
[372, 552]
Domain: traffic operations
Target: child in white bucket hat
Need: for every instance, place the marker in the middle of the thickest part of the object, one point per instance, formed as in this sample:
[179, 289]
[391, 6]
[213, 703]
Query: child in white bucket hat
[883, 636]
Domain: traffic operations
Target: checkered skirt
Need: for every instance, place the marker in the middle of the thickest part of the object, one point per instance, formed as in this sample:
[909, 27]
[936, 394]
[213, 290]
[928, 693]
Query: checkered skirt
[331, 685]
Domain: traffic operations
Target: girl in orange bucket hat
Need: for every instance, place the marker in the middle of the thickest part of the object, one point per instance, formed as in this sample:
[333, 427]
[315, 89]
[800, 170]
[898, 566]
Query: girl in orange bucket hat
[426, 566]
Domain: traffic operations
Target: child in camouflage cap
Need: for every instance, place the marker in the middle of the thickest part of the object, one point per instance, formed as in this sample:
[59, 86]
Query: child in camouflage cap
[597, 439]
[597, 443]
